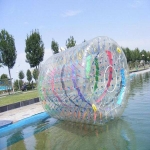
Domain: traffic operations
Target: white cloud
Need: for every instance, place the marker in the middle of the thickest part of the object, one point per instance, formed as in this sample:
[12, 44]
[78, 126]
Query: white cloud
[71, 13]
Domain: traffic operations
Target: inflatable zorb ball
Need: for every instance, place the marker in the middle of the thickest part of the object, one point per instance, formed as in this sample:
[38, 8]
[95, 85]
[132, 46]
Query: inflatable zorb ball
[87, 83]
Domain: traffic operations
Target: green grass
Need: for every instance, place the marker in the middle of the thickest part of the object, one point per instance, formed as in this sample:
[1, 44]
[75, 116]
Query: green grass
[13, 98]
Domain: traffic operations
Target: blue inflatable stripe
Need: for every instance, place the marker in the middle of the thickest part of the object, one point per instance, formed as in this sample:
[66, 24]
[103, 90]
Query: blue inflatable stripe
[120, 97]
[123, 84]
[25, 122]
[122, 77]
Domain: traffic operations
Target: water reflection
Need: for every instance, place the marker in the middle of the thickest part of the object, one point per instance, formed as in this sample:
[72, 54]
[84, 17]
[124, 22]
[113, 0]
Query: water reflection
[140, 79]
[129, 133]
[13, 138]
[23, 137]
[116, 135]
[138, 82]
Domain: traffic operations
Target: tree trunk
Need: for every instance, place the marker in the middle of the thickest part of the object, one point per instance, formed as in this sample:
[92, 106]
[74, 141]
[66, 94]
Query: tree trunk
[10, 80]
[9, 73]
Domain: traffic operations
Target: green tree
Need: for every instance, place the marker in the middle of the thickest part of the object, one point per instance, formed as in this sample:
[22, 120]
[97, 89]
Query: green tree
[128, 53]
[132, 56]
[137, 54]
[8, 50]
[16, 86]
[4, 76]
[34, 49]
[21, 75]
[35, 74]
[17, 83]
[70, 42]
[29, 76]
[144, 55]
[55, 47]
[148, 55]
[1, 60]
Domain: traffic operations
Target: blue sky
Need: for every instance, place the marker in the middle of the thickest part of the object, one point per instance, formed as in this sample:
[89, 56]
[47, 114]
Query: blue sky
[125, 21]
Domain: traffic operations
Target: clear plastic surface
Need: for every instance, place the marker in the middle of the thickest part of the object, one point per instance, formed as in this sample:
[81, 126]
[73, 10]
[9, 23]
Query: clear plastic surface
[87, 83]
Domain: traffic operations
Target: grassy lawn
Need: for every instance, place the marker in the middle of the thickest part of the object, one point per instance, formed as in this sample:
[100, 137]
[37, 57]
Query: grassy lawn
[10, 99]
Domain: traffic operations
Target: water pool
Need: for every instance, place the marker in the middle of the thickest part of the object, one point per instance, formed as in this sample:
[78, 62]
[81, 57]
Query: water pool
[131, 131]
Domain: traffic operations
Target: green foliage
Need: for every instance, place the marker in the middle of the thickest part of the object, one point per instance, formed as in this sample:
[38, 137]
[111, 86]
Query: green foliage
[70, 42]
[17, 84]
[35, 74]
[127, 54]
[4, 76]
[34, 49]
[144, 55]
[29, 76]
[7, 49]
[135, 56]
[148, 56]
[1, 59]
[21, 75]
[4, 81]
[55, 47]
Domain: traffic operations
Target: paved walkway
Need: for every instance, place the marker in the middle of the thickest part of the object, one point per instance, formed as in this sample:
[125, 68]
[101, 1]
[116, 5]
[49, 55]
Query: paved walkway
[143, 71]
[22, 112]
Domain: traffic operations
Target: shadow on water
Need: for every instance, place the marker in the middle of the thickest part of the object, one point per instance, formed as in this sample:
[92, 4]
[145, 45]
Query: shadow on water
[116, 135]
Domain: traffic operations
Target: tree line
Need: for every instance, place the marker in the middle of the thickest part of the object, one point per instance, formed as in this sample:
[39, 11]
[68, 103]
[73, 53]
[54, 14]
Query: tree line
[136, 58]
[34, 49]
[136, 55]
[19, 83]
